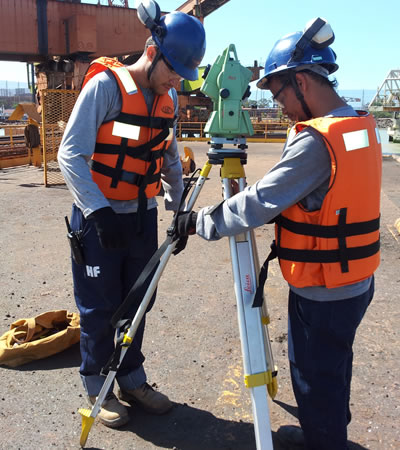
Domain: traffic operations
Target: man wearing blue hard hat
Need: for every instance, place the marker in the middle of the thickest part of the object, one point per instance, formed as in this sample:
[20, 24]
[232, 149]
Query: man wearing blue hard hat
[323, 196]
[119, 147]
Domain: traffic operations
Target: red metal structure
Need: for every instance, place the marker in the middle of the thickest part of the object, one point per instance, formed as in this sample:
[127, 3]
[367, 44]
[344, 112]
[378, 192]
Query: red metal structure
[38, 30]
[63, 36]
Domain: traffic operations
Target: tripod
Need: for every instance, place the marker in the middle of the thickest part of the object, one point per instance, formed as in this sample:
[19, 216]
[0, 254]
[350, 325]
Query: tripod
[259, 368]
[260, 371]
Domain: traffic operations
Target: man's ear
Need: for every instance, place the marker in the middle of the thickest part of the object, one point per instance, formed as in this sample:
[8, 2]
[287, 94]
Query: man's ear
[302, 81]
[151, 52]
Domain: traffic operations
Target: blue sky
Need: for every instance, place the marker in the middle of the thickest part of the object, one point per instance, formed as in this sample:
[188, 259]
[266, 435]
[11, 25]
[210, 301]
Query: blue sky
[366, 44]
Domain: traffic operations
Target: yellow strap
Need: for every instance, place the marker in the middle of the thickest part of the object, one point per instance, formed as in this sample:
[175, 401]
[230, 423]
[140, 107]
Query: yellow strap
[258, 379]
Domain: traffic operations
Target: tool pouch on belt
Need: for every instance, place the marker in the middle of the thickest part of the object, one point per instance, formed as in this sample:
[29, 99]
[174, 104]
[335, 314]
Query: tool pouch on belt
[39, 337]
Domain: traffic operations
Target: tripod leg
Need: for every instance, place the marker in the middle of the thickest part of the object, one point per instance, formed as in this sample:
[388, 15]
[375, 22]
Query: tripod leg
[199, 185]
[252, 333]
[88, 416]
[272, 386]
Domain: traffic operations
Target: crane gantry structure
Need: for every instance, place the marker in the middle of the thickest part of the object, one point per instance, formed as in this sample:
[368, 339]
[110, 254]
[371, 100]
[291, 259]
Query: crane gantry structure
[387, 98]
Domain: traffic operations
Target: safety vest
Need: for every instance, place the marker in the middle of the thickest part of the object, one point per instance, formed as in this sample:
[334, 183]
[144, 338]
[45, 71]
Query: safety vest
[128, 156]
[337, 245]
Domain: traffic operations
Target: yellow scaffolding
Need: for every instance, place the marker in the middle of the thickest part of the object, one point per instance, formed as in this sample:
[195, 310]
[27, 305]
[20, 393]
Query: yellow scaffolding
[57, 106]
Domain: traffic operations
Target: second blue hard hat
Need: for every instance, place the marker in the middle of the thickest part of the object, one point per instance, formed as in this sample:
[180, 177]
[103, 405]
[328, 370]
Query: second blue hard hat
[292, 52]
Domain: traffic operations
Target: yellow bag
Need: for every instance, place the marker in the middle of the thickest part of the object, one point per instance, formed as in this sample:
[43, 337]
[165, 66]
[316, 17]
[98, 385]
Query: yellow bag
[39, 337]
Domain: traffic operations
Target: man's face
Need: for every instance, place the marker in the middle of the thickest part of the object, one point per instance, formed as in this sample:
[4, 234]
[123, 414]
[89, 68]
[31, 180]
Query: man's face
[283, 93]
[163, 77]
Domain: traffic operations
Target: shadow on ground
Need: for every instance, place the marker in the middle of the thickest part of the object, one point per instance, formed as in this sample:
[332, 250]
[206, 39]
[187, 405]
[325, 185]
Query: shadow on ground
[190, 428]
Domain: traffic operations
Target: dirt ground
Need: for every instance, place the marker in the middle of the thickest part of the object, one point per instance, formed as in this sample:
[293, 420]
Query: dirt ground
[192, 339]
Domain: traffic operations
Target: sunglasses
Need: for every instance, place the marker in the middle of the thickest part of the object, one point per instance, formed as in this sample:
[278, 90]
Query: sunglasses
[282, 88]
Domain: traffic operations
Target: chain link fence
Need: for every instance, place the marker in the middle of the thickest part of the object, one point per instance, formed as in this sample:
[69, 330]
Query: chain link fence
[57, 106]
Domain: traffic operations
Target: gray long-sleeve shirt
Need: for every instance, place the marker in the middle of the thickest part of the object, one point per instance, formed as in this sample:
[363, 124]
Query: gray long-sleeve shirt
[302, 175]
[99, 102]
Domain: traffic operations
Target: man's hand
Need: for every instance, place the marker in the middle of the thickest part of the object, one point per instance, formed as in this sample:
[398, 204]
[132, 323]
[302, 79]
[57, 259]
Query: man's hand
[186, 223]
[110, 229]
[185, 226]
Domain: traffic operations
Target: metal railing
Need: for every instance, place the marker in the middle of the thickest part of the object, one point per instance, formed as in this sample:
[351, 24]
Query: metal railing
[265, 131]
[12, 135]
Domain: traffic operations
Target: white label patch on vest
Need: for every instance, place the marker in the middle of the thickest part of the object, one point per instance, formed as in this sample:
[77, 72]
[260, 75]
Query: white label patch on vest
[126, 80]
[355, 140]
[378, 135]
[126, 130]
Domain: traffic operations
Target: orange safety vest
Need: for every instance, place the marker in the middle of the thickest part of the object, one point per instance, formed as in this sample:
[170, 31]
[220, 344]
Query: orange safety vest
[337, 245]
[128, 156]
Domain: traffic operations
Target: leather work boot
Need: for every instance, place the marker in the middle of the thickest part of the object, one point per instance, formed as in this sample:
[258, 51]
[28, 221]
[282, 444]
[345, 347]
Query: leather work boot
[291, 436]
[146, 397]
[112, 414]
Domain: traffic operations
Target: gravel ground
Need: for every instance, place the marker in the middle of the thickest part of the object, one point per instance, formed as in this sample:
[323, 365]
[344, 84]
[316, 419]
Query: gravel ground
[192, 342]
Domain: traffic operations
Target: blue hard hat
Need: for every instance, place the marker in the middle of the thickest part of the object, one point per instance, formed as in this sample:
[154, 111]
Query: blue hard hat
[182, 41]
[281, 57]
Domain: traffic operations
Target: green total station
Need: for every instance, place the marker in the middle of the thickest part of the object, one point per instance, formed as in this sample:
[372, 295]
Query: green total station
[227, 84]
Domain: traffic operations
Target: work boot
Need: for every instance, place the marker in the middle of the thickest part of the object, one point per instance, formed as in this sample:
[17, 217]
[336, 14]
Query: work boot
[146, 397]
[291, 436]
[112, 414]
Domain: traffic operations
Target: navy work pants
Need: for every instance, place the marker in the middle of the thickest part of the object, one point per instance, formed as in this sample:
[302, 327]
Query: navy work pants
[100, 286]
[321, 336]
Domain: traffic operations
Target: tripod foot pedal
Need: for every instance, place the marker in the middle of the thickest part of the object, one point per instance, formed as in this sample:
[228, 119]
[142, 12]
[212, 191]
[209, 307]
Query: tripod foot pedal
[87, 422]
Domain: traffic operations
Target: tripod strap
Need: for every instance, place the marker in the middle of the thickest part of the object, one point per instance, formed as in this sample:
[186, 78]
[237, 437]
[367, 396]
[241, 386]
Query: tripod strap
[262, 278]
[136, 292]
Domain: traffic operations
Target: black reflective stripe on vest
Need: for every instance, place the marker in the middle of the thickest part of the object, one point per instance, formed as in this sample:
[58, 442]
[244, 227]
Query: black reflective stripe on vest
[142, 152]
[328, 231]
[145, 121]
[124, 175]
[340, 232]
[327, 256]
[117, 171]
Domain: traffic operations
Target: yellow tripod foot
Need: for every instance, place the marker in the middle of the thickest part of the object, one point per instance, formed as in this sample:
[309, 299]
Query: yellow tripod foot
[273, 387]
[87, 422]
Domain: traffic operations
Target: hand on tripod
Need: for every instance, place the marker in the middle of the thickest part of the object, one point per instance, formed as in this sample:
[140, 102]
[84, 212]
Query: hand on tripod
[185, 225]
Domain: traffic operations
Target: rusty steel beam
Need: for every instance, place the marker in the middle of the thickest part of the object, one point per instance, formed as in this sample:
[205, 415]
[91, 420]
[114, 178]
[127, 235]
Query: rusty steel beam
[36, 30]
[201, 8]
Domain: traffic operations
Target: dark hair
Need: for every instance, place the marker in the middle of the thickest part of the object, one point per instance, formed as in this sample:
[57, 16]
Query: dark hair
[320, 79]
[150, 41]
[285, 77]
